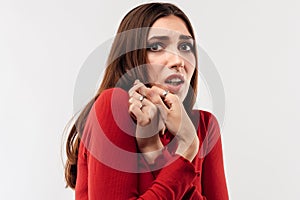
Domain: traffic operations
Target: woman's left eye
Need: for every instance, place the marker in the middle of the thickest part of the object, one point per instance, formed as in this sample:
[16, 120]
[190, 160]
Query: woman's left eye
[185, 47]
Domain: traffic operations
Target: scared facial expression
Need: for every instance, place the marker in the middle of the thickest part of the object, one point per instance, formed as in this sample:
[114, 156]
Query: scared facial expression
[170, 55]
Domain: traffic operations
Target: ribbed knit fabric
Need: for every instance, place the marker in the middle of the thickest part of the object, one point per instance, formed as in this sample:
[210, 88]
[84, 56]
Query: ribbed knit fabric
[110, 166]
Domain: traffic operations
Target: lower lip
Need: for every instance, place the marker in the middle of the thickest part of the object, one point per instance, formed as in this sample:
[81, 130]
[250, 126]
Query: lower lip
[174, 88]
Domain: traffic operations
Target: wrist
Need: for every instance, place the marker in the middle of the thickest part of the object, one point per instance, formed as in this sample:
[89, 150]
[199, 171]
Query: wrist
[188, 149]
[150, 146]
[151, 152]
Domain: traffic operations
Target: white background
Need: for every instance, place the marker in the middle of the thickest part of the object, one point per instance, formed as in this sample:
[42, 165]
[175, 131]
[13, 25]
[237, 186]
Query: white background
[253, 44]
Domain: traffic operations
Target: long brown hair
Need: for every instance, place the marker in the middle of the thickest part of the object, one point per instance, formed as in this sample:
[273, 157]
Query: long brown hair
[122, 69]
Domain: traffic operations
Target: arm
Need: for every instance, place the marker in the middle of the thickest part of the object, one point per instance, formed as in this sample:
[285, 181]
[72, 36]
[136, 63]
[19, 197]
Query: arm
[106, 180]
[158, 111]
[213, 177]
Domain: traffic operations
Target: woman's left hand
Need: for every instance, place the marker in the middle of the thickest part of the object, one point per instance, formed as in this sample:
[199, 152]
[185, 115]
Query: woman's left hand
[176, 120]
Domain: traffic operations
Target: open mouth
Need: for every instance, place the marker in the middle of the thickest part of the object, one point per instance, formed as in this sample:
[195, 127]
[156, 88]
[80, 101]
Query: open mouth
[174, 82]
[175, 79]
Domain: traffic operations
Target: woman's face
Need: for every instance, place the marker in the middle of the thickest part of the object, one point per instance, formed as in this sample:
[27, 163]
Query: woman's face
[170, 55]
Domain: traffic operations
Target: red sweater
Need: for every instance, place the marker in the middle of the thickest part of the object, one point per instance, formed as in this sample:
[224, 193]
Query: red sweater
[110, 166]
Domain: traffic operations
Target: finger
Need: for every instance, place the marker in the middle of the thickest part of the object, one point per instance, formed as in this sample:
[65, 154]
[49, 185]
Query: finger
[171, 100]
[141, 112]
[138, 96]
[147, 107]
[160, 86]
[135, 87]
[156, 95]
[143, 90]
[135, 102]
[141, 118]
[143, 99]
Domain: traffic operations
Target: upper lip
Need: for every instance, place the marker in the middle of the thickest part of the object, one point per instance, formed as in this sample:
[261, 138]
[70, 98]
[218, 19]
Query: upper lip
[174, 77]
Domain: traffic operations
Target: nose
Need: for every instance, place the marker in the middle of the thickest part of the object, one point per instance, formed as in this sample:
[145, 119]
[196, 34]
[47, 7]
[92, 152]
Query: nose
[174, 60]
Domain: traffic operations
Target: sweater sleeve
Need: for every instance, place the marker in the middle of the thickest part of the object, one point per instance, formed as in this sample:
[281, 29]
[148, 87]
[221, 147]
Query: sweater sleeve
[213, 177]
[109, 147]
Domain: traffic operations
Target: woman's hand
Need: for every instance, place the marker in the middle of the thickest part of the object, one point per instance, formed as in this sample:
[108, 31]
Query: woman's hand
[149, 122]
[176, 120]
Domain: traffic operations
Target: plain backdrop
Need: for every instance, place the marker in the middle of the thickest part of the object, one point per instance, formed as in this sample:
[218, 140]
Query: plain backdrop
[255, 48]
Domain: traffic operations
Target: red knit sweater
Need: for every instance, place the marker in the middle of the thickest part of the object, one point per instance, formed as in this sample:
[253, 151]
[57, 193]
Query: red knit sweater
[110, 166]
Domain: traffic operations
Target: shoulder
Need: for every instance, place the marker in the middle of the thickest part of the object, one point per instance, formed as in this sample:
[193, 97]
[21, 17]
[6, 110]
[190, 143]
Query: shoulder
[117, 95]
[112, 100]
[206, 124]
[109, 116]
[205, 118]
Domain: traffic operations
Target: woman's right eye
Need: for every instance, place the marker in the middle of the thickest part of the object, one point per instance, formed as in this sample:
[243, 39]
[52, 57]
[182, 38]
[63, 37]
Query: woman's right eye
[157, 46]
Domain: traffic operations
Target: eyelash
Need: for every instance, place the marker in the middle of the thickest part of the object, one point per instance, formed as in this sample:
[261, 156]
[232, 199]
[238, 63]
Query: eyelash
[150, 46]
[161, 46]
[191, 46]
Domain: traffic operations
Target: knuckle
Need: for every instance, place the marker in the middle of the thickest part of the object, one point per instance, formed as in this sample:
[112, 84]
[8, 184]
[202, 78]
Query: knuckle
[130, 107]
[135, 94]
[130, 100]
[134, 108]
[156, 100]
[150, 93]
[143, 121]
[154, 87]
[147, 121]
[174, 98]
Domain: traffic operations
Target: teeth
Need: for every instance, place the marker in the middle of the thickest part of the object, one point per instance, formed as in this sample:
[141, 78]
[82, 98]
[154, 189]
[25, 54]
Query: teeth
[174, 80]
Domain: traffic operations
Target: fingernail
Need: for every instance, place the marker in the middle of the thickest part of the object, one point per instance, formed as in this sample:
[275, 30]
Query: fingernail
[136, 81]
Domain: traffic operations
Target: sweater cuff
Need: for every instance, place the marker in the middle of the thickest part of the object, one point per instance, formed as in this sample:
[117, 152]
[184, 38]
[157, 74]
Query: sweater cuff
[178, 174]
[166, 159]
[160, 162]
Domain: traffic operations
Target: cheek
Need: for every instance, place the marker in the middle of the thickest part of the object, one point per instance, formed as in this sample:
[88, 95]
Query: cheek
[191, 67]
[155, 65]
[190, 59]
[189, 76]
[154, 72]
[155, 59]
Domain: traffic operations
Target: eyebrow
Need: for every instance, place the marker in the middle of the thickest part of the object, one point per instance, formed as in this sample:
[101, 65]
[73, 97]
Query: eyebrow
[159, 38]
[185, 37]
[182, 37]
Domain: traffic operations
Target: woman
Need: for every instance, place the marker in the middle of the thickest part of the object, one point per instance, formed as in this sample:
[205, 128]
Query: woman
[139, 138]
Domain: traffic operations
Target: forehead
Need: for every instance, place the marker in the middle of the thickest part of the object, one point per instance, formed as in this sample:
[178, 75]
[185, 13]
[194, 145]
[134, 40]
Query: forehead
[170, 25]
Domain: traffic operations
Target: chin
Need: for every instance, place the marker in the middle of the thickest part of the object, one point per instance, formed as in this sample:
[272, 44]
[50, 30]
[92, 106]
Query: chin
[181, 96]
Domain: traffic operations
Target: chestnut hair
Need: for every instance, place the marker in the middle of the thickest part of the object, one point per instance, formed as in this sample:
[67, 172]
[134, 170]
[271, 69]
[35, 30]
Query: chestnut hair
[122, 69]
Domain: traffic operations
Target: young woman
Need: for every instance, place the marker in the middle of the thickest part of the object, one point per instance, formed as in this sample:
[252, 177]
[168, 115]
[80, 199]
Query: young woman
[139, 138]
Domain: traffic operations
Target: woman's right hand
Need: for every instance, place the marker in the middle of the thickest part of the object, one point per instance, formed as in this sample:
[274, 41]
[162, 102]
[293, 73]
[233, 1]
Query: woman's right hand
[149, 122]
[176, 120]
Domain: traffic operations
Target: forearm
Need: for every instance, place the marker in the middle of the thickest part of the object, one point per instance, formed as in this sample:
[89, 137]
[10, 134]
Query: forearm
[188, 141]
[151, 153]
[149, 144]
[188, 149]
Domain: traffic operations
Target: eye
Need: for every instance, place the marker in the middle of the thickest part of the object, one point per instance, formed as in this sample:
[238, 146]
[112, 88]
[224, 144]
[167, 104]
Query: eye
[157, 46]
[186, 46]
